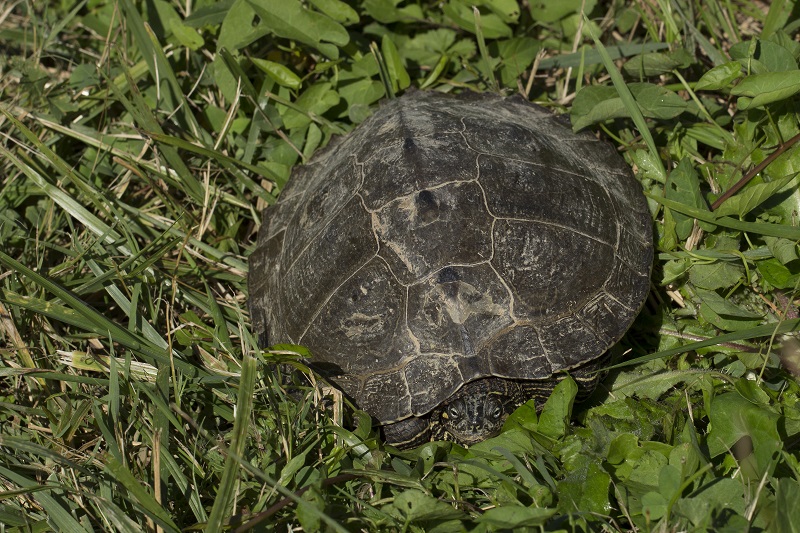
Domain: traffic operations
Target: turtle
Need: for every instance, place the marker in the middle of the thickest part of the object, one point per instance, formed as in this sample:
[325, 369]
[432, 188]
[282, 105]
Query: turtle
[453, 257]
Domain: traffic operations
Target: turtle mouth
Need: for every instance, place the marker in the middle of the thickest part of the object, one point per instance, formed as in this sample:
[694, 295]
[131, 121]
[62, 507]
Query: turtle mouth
[473, 435]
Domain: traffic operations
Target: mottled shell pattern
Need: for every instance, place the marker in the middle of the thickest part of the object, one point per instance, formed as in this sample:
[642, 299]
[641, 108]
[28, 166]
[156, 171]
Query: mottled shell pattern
[447, 239]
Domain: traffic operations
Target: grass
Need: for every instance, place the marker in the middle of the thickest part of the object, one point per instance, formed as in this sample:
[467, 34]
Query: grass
[139, 144]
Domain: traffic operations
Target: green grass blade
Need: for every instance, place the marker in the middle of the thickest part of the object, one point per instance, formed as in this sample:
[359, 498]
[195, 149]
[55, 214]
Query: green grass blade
[176, 170]
[139, 495]
[60, 516]
[244, 406]
[627, 99]
[766, 330]
[97, 322]
[70, 205]
[759, 228]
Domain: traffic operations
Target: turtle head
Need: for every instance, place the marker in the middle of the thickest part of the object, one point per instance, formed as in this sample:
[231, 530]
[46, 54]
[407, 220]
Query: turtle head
[473, 414]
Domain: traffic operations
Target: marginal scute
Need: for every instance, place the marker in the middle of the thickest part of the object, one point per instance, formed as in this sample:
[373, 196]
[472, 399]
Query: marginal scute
[453, 243]
[518, 354]
[568, 340]
[431, 378]
[606, 317]
[383, 395]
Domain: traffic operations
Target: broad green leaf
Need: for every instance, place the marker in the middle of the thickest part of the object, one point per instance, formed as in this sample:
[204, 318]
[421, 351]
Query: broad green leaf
[787, 500]
[337, 10]
[656, 101]
[669, 481]
[416, 506]
[187, 36]
[281, 74]
[650, 165]
[507, 10]
[210, 14]
[314, 101]
[784, 250]
[292, 466]
[717, 275]
[310, 508]
[362, 92]
[651, 64]
[747, 430]
[585, 487]
[524, 416]
[754, 195]
[386, 11]
[553, 11]
[721, 316]
[624, 447]
[654, 505]
[602, 111]
[492, 26]
[594, 104]
[398, 76]
[721, 494]
[751, 391]
[720, 77]
[313, 140]
[427, 47]
[557, 410]
[290, 20]
[761, 89]
[683, 185]
[516, 56]
[770, 56]
[514, 516]
[643, 472]
[237, 29]
[723, 313]
[777, 274]
[686, 458]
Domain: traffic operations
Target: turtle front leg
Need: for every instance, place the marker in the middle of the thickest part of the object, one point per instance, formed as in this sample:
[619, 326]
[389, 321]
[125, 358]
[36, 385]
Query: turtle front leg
[408, 433]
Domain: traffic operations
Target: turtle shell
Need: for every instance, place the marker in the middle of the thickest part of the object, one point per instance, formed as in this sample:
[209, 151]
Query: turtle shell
[447, 239]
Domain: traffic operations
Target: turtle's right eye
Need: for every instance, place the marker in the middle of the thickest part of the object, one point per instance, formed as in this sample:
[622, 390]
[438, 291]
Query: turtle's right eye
[454, 410]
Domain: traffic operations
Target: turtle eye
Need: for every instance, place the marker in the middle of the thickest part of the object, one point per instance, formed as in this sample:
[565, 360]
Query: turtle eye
[494, 407]
[454, 410]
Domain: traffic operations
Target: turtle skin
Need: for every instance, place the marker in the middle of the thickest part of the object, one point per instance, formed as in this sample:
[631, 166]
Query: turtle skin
[451, 258]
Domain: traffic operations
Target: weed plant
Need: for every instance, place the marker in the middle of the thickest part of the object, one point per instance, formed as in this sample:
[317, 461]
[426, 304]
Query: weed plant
[139, 143]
